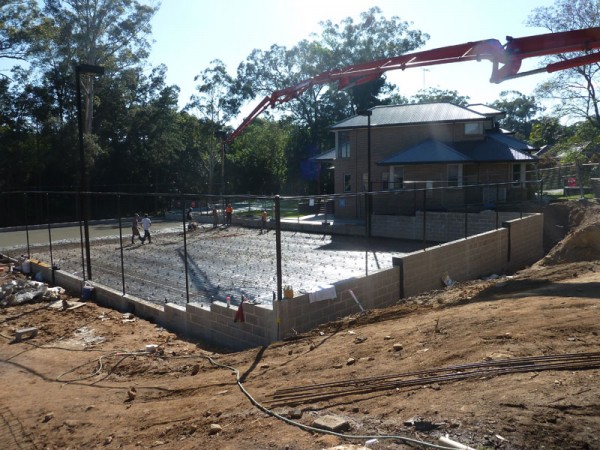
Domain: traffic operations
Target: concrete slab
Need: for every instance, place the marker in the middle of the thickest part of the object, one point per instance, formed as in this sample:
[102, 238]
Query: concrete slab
[231, 261]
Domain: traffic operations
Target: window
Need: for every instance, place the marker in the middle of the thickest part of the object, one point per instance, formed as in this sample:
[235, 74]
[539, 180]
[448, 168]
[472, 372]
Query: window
[397, 178]
[365, 182]
[516, 175]
[429, 189]
[473, 128]
[343, 144]
[347, 182]
[454, 174]
[385, 181]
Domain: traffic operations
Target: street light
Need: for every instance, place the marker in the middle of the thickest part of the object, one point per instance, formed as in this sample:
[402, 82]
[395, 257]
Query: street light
[368, 113]
[83, 182]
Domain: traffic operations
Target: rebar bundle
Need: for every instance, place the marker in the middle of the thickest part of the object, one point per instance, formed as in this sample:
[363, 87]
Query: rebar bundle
[319, 392]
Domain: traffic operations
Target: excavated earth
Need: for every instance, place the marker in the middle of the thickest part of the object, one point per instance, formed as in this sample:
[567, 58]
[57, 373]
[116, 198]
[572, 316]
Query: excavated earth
[504, 363]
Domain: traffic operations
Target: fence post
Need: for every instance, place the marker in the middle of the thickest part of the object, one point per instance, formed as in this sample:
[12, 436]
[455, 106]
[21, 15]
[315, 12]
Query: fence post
[78, 209]
[367, 234]
[497, 201]
[425, 218]
[121, 242]
[278, 245]
[185, 256]
[50, 238]
[466, 214]
[26, 224]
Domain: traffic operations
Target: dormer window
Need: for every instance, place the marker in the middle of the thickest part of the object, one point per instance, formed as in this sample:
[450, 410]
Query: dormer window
[473, 128]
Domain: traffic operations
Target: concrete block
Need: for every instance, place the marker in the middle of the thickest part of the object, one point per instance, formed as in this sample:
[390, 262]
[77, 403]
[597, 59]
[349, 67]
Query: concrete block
[28, 333]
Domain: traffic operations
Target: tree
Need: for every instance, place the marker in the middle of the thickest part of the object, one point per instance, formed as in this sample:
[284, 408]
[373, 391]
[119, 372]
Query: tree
[434, 95]
[20, 25]
[520, 110]
[141, 130]
[339, 45]
[574, 89]
[216, 105]
[258, 158]
[580, 146]
[546, 130]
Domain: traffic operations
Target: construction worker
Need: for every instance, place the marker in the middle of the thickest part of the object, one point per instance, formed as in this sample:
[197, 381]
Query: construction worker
[135, 228]
[146, 223]
[263, 218]
[228, 214]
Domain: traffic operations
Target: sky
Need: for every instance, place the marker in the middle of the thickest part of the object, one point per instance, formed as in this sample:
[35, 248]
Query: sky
[189, 34]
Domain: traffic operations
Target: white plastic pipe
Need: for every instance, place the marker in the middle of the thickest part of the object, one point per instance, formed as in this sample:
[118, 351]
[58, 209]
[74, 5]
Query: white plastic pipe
[446, 440]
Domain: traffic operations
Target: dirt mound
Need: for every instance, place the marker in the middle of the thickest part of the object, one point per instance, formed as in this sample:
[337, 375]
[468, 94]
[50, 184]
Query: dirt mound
[579, 221]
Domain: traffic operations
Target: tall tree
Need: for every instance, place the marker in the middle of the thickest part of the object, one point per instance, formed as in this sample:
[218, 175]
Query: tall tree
[339, 45]
[546, 130]
[20, 25]
[574, 89]
[258, 158]
[140, 132]
[108, 33]
[216, 105]
[520, 110]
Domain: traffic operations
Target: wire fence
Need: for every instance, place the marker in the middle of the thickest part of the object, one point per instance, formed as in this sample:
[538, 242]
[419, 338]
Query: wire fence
[273, 245]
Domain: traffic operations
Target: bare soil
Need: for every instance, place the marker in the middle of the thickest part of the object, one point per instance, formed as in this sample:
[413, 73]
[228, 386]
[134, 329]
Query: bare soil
[403, 375]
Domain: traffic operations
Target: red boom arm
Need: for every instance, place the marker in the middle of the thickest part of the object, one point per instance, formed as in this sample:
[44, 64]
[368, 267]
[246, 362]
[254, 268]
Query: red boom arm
[506, 62]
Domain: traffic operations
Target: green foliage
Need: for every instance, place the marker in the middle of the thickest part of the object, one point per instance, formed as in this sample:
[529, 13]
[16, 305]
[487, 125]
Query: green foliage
[520, 110]
[435, 95]
[216, 103]
[257, 162]
[338, 45]
[581, 146]
[21, 24]
[547, 130]
[575, 89]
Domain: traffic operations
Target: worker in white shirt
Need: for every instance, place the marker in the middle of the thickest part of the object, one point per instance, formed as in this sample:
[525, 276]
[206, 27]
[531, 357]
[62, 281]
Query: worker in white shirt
[146, 223]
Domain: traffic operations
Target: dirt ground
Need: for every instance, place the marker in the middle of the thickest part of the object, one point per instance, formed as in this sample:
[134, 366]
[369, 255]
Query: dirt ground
[506, 363]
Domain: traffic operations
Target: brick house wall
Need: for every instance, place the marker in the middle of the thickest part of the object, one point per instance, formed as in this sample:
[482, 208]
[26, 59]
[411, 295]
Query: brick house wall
[389, 140]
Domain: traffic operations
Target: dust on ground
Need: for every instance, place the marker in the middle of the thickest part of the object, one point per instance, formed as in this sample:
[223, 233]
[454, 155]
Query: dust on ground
[404, 375]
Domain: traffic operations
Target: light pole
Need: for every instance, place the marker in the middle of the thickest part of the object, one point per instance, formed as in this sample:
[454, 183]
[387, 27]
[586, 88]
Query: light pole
[222, 135]
[83, 182]
[368, 113]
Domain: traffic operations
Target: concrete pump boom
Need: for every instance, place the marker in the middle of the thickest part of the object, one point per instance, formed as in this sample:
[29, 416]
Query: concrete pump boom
[506, 63]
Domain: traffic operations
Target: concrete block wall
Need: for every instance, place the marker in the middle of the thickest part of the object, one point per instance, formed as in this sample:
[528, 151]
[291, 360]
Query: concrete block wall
[376, 290]
[439, 226]
[215, 324]
[517, 244]
[526, 241]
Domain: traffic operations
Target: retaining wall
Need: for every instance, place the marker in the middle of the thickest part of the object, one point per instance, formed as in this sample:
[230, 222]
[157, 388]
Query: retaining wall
[432, 226]
[439, 226]
[518, 243]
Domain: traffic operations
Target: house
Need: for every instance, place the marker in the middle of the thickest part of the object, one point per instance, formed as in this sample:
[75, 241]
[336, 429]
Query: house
[441, 156]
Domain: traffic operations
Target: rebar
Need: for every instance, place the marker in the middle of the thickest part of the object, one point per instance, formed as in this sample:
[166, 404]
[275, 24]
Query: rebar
[326, 391]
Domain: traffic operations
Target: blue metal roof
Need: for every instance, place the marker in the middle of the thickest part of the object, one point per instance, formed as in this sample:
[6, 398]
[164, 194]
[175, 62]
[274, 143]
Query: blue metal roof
[329, 155]
[494, 148]
[512, 142]
[412, 114]
[426, 152]
[497, 150]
